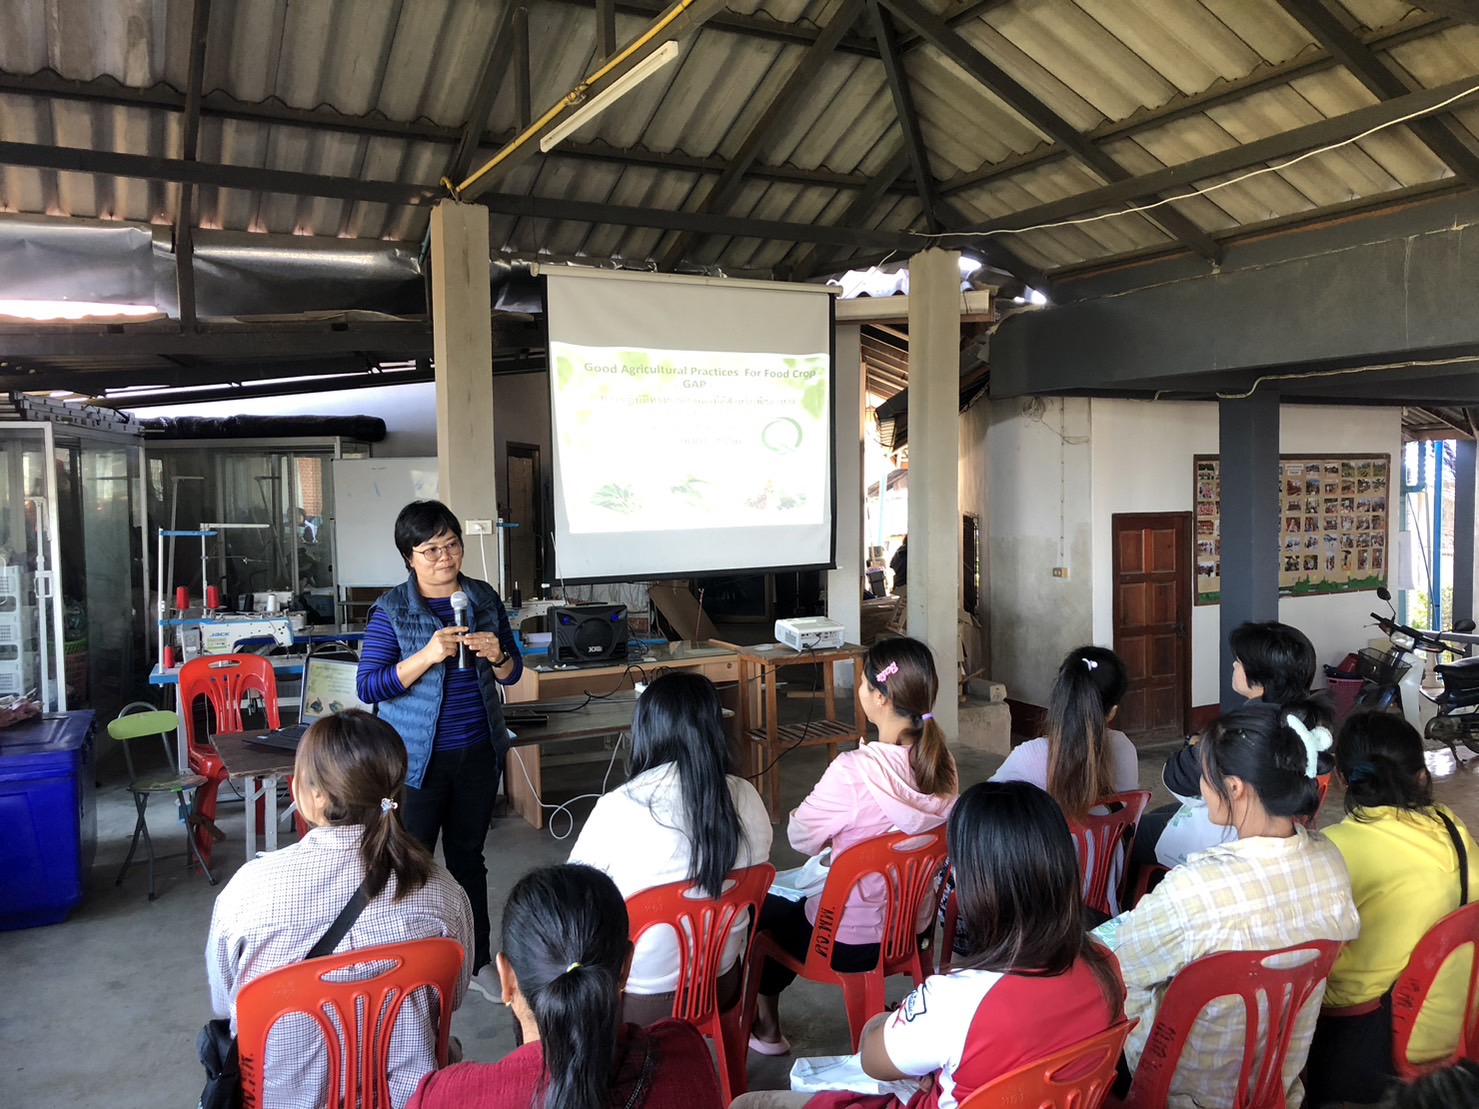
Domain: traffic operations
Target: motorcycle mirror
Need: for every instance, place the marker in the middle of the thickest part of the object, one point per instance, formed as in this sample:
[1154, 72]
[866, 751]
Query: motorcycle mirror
[1464, 626]
[1384, 593]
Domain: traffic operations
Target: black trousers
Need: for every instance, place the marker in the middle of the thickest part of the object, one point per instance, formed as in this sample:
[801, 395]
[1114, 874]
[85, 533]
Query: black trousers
[1351, 1058]
[455, 802]
[785, 921]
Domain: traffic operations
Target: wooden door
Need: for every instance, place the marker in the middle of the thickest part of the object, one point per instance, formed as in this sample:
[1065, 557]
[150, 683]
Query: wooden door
[523, 509]
[1152, 618]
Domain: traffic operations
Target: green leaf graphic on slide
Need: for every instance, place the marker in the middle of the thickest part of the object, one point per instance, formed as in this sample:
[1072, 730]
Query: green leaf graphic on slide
[616, 498]
[814, 399]
[692, 490]
[564, 370]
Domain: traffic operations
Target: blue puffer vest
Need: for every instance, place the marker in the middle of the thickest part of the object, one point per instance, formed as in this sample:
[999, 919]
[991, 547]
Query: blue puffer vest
[414, 713]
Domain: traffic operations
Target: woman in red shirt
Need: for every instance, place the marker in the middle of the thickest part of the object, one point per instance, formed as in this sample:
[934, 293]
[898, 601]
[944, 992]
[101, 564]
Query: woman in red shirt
[564, 956]
[1033, 984]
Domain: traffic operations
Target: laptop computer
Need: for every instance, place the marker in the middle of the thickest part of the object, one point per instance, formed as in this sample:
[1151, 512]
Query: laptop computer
[328, 687]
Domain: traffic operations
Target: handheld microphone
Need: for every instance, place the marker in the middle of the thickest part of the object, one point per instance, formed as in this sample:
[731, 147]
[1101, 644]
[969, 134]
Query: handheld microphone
[459, 617]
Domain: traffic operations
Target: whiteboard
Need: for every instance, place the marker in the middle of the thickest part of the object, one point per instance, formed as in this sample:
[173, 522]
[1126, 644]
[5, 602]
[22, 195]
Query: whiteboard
[368, 495]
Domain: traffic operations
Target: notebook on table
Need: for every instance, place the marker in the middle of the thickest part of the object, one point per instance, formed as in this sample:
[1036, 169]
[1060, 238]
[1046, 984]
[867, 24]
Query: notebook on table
[328, 687]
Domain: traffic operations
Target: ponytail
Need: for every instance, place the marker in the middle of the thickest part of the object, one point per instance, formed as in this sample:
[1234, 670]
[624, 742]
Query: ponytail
[1257, 744]
[359, 763]
[1090, 683]
[1380, 756]
[565, 937]
[903, 670]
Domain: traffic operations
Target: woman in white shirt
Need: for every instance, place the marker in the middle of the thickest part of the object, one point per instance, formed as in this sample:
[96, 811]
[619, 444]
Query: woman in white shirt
[680, 817]
[1082, 758]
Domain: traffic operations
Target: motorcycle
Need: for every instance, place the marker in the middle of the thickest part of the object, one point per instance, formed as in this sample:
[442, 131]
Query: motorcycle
[1394, 681]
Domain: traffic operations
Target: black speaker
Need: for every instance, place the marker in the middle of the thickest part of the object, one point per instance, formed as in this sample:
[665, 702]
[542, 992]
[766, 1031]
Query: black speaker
[588, 633]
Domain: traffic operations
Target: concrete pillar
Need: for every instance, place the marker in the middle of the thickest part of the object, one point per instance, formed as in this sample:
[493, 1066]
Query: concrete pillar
[845, 584]
[1248, 435]
[462, 323]
[934, 481]
[1464, 457]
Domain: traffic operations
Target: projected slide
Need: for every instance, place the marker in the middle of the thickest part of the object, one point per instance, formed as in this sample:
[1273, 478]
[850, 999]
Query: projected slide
[692, 424]
[748, 435]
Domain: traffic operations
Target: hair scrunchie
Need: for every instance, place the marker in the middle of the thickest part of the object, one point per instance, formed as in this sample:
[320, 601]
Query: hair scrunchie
[386, 804]
[1362, 772]
[1315, 740]
[572, 966]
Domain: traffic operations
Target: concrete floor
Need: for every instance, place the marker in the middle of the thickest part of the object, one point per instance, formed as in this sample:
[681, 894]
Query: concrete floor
[103, 1009]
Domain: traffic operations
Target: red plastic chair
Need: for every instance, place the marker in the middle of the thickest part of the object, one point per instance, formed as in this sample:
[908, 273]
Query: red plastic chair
[224, 681]
[355, 1018]
[705, 924]
[1313, 820]
[1247, 975]
[1452, 933]
[1077, 1077]
[908, 865]
[1104, 838]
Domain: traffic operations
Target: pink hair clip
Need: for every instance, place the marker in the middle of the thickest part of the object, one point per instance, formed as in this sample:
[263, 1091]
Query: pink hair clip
[887, 672]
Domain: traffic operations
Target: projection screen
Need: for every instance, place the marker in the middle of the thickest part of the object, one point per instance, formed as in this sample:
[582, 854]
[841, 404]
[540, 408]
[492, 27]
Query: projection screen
[692, 424]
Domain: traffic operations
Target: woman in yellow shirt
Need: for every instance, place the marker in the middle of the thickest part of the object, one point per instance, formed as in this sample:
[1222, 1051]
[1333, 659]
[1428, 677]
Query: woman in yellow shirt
[1405, 855]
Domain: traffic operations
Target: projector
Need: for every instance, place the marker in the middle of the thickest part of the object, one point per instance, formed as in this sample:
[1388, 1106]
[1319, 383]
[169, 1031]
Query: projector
[809, 633]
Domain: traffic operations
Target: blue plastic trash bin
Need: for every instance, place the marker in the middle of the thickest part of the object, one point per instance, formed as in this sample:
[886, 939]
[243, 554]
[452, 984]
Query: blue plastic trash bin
[48, 820]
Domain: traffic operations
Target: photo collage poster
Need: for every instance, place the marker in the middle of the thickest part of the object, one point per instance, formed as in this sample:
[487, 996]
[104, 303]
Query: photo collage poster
[1333, 524]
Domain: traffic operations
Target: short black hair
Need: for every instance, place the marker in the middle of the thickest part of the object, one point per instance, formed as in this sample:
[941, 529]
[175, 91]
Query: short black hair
[420, 521]
[1276, 656]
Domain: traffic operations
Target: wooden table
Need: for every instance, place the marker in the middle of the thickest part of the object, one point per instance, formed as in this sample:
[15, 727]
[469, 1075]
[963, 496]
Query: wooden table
[759, 711]
[523, 774]
[714, 660]
[258, 770]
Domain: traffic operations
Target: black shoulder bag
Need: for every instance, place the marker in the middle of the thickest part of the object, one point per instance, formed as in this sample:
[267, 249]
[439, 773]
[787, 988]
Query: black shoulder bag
[216, 1044]
[1463, 857]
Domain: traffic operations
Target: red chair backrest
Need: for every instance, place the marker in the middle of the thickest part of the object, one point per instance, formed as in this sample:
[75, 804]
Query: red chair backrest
[1313, 820]
[1249, 975]
[364, 1010]
[908, 865]
[703, 925]
[1101, 839]
[1077, 1077]
[224, 681]
[1410, 991]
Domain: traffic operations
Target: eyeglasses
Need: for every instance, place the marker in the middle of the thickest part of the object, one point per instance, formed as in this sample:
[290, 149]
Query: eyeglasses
[434, 554]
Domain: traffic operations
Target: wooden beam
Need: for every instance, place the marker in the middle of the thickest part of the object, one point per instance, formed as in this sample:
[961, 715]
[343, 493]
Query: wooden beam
[1015, 96]
[1466, 11]
[605, 28]
[1274, 148]
[1384, 81]
[522, 87]
[679, 19]
[490, 77]
[200, 21]
[723, 190]
[898, 84]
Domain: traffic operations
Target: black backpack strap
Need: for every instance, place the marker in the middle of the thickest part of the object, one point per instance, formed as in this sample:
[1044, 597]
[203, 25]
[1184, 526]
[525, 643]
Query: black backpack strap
[1463, 857]
[342, 924]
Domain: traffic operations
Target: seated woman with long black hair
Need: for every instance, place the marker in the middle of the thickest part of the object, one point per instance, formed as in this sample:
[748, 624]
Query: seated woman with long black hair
[681, 816]
[1032, 983]
[562, 959]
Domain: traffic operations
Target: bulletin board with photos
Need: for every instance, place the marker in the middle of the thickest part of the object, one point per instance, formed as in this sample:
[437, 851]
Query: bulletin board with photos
[1333, 524]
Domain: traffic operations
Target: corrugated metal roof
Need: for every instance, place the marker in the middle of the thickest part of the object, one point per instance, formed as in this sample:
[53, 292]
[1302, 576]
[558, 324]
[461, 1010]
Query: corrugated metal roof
[1094, 63]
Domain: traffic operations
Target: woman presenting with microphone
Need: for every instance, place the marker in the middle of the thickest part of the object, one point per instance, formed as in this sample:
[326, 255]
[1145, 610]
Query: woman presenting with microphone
[436, 648]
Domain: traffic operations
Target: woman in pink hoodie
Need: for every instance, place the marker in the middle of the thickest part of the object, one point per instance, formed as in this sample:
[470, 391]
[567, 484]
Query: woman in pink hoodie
[904, 781]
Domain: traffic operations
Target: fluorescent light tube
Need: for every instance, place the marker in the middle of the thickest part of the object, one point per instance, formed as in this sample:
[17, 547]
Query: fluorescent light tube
[609, 95]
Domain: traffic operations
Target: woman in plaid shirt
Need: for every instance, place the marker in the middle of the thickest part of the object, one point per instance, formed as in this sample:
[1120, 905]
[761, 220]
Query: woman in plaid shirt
[1274, 886]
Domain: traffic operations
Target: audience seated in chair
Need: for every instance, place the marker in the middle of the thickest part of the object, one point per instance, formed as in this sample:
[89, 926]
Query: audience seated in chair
[1274, 886]
[1082, 758]
[904, 781]
[680, 816]
[1273, 664]
[562, 958]
[1031, 983]
[1400, 849]
[347, 780]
